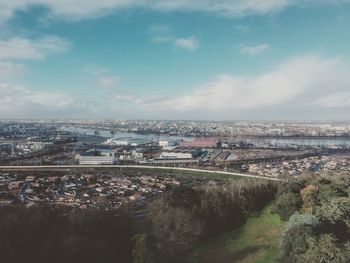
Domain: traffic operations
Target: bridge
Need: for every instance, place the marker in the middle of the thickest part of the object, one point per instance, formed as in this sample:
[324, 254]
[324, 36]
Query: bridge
[69, 167]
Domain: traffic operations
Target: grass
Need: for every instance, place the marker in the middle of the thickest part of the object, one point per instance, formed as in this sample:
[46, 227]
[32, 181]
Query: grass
[257, 241]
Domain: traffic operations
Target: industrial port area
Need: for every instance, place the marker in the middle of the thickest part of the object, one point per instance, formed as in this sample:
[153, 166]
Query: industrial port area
[269, 149]
[276, 151]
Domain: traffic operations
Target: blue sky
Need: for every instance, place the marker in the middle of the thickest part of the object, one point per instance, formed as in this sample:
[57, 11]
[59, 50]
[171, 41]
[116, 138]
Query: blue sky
[209, 59]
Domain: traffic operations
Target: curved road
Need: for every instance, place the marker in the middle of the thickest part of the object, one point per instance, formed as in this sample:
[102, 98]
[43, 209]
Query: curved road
[55, 167]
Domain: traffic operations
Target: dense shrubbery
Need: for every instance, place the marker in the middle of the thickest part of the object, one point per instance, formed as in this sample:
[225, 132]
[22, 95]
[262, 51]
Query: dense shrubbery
[319, 229]
[187, 215]
[317, 209]
[51, 234]
[178, 220]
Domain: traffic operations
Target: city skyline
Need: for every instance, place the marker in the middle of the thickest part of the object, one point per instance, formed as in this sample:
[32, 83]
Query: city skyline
[224, 60]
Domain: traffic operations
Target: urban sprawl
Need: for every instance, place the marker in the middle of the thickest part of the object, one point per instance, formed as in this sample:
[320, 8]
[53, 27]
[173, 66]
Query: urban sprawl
[271, 149]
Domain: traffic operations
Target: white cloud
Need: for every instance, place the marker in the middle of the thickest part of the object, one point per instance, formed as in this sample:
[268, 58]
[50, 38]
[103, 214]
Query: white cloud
[82, 9]
[242, 28]
[109, 82]
[17, 99]
[8, 69]
[190, 43]
[95, 70]
[336, 100]
[254, 50]
[28, 49]
[301, 83]
[308, 85]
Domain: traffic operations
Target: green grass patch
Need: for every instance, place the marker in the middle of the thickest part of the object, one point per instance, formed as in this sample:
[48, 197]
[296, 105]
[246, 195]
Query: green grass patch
[256, 241]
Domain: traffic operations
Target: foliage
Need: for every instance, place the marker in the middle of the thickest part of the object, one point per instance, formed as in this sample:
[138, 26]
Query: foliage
[287, 204]
[321, 233]
[176, 227]
[52, 234]
[187, 215]
[294, 242]
[325, 249]
[256, 241]
[338, 209]
[142, 252]
[309, 198]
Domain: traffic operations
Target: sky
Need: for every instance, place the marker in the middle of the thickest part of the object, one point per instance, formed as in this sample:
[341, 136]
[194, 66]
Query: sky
[175, 59]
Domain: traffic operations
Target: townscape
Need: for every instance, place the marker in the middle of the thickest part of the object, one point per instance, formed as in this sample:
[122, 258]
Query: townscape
[177, 131]
[276, 150]
[279, 150]
[83, 191]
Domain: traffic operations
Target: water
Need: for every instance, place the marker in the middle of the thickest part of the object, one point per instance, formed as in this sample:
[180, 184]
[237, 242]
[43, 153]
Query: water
[321, 142]
[131, 135]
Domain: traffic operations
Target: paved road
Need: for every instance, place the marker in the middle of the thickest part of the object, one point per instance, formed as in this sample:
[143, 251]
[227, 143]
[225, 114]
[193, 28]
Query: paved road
[65, 167]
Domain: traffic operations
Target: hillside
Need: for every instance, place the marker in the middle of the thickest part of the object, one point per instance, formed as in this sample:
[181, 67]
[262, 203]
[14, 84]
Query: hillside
[256, 241]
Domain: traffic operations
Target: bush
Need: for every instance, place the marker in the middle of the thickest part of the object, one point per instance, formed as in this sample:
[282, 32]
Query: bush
[286, 205]
[143, 249]
[325, 249]
[44, 234]
[294, 243]
[181, 218]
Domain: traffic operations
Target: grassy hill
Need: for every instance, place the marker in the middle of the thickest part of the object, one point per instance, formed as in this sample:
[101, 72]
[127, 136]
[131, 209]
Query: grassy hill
[256, 241]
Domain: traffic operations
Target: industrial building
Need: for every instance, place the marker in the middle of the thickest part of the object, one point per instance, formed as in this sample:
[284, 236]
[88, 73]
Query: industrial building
[97, 157]
[127, 141]
[200, 143]
[176, 155]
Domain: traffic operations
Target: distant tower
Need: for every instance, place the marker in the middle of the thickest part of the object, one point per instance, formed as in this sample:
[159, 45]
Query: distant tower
[12, 149]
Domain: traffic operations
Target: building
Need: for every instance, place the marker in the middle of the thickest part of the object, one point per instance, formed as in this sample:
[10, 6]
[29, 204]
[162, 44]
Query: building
[163, 143]
[201, 143]
[127, 141]
[136, 154]
[176, 155]
[5, 147]
[97, 157]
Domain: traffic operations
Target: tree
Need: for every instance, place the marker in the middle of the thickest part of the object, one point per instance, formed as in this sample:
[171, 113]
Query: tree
[142, 252]
[294, 241]
[176, 228]
[287, 204]
[325, 249]
[309, 198]
[338, 209]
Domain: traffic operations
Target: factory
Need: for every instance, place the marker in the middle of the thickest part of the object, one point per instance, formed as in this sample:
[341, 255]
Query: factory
[97, 157]
[176, 155]
[127, 141]
[205, 143]
[180, 153]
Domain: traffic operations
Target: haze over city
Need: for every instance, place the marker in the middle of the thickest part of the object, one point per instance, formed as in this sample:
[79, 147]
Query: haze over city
[211, 59]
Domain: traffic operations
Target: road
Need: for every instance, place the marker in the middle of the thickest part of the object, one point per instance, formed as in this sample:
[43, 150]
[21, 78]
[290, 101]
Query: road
[65, 167]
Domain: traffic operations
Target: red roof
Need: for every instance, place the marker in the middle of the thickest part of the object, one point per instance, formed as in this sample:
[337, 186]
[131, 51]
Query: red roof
[201, 143]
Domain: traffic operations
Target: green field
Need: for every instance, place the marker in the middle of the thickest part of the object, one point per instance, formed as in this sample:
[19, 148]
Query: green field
[256, 241]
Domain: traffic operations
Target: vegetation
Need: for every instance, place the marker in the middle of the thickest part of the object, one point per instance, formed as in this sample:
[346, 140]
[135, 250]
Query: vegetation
[189, 215]
[319, 230]
[301, 220]
[51, 234]
[256, 241]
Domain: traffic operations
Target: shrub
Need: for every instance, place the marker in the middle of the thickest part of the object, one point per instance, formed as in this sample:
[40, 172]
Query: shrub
[286, 205]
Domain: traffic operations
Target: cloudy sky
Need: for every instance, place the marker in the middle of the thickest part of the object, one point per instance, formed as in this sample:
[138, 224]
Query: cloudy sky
[175, 59]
